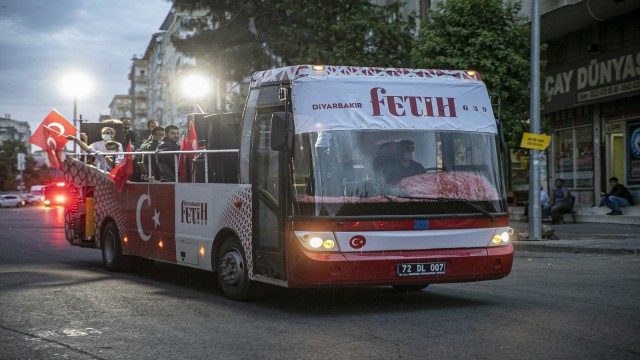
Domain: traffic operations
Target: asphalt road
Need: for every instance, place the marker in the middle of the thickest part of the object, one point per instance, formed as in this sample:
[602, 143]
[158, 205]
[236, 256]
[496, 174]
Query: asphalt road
[57, 302]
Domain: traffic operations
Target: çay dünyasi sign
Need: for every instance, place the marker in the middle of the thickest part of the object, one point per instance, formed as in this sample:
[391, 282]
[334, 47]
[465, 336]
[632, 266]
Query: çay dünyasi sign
[610, 76]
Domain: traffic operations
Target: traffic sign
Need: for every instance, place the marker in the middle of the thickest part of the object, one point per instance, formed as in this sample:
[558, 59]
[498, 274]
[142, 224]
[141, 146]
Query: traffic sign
[21, 161]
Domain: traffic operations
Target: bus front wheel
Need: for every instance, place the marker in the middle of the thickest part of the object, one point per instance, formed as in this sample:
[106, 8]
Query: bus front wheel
[233, 274]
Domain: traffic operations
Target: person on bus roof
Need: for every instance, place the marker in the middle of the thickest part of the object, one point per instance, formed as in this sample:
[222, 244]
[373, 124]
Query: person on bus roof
[167, 162]
[151, 124]
[129, 135]
[104, 162]
[150, 145]
[106, 134]
[157, 134]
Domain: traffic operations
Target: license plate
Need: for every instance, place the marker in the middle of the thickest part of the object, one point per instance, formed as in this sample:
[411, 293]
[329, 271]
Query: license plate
[416, 269]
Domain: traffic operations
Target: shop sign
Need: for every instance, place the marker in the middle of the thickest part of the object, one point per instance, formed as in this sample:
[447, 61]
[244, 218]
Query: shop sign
[616, 127]
[633, 153]
[606, 77]
[535, 141]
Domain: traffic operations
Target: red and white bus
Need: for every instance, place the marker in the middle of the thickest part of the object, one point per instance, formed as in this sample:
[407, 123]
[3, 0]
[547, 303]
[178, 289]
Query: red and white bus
[332, 176]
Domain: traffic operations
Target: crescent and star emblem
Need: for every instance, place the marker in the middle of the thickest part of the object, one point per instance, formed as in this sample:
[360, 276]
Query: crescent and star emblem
[52, 143]
[57, 126]
[156, 217]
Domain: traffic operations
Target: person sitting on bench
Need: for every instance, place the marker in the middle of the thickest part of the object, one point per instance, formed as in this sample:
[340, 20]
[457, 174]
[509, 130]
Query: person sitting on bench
[560, 200]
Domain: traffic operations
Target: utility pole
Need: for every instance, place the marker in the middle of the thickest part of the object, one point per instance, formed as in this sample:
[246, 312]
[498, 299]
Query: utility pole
[535, 218]
[75, 121]
[21, 166]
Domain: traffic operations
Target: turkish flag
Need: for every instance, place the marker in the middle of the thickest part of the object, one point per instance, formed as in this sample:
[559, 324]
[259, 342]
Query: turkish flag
[121, 172]
[52, 144]
[188, 143]
[191, 142]
[58, 128]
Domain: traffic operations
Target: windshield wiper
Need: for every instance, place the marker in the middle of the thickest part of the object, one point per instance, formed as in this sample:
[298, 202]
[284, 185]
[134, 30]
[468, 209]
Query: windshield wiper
[471, 203]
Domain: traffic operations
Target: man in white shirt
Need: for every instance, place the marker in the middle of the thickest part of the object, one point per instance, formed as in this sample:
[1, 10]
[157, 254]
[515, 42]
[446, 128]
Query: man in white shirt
[108, 134]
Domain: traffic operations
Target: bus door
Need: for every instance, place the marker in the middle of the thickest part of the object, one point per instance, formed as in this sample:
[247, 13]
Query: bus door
[268, 179]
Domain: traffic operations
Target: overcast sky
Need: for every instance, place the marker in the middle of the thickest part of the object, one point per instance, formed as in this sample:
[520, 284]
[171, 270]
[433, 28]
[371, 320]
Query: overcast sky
[42, 40]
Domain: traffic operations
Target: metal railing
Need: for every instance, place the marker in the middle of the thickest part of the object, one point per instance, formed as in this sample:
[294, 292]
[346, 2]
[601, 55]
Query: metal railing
[176, 156]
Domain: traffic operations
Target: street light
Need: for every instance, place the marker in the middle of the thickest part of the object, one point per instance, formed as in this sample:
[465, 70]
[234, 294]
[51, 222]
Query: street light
[195, 86]
[75, 84]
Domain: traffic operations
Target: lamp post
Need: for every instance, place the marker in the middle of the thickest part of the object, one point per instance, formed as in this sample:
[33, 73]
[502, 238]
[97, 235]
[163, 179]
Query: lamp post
[195, 86]
[75, 119]
[76, 84]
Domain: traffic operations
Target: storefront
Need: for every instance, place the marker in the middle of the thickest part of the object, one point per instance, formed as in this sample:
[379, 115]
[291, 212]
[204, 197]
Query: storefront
[594, 111]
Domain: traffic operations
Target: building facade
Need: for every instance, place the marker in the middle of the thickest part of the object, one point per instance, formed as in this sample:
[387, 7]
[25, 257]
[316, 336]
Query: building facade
[592, 79]
[167, 68]
[14, 130]
[138, 92]
[120, 106]
[153, 54]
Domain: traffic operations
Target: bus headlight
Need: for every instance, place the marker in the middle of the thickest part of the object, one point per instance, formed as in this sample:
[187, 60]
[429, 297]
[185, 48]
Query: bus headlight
[317, 241]
[500, 238]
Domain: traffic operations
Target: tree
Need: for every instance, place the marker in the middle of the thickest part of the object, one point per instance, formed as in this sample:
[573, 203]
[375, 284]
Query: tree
[237, 38]
[340, 32]
[487, 36]
[224, 41]
[8, 167]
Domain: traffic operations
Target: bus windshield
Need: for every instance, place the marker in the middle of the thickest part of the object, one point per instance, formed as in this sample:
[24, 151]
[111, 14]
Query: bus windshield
[396, 172]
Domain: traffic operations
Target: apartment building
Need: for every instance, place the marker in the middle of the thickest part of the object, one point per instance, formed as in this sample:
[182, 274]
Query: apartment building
[14, 130]
[120, 106]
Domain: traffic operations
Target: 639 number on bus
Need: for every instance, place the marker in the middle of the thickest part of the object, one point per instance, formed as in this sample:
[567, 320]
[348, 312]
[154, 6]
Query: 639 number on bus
[412, 269]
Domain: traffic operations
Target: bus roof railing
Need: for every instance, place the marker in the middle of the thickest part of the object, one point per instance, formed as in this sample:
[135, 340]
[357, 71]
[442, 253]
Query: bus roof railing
[160, 152]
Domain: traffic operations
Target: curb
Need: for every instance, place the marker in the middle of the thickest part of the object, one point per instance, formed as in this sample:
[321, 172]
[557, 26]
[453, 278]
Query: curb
[519, 246]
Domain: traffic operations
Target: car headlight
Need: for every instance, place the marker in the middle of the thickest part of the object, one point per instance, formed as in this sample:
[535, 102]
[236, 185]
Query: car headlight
[317, 241]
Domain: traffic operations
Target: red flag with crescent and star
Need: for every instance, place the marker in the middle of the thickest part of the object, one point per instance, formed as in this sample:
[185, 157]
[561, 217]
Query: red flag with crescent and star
[51, 136]
[188, 143]
[121, 172]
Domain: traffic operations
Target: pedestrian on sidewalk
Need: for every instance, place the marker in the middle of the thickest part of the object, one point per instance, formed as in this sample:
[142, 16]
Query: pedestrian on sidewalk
[618, 197]
[544, 201]
[560, 200]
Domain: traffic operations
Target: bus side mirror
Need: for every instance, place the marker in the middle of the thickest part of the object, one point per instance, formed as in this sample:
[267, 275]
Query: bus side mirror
[281, 131]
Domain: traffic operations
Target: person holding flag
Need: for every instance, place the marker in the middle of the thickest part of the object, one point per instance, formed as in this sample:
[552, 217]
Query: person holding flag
[51, 137]
[105, 162]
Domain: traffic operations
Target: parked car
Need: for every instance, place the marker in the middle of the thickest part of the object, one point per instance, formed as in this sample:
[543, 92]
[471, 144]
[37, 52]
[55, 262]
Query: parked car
[11, 200]
[36, 195]
[35, 200]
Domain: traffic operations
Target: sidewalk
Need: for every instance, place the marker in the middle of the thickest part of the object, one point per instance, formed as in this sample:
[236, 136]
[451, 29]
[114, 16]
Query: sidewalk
[593, 238]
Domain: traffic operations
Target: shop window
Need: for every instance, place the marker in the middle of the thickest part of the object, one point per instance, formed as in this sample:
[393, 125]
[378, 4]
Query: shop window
[584, 157]
[564, 156]
[519, 169]
[573, 159]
